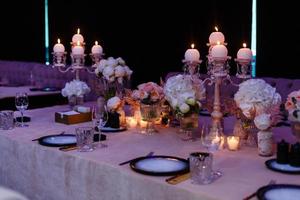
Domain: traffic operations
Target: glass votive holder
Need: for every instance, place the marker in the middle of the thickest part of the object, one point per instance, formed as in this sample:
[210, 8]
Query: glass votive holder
[131, 122]
[85, 139]
[233, 142]
[201, 167]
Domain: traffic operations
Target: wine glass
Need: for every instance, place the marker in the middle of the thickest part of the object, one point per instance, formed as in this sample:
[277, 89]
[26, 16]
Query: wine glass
[21, 102]
[210, 138]
[99, 118]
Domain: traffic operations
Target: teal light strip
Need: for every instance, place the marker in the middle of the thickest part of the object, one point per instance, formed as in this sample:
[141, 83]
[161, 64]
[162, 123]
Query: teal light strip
[46, 34]
[253, 38]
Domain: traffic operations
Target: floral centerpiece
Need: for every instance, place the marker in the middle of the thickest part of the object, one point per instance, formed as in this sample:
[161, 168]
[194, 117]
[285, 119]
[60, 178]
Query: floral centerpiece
[116, 114]
[114, 73]
[184, 96]
[257, 100]
[149, 95]
[75, 91]
[292, 105]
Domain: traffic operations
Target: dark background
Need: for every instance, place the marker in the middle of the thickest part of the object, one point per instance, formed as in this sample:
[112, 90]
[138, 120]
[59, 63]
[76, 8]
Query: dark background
[152, 37]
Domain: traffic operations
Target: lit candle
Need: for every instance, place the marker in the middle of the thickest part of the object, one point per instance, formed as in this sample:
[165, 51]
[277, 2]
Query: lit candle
[216, 36]
[58, 47]
[192, 55]
[77, 37]
[131, 122]
[244, 53]
[78, 49]
[97, 49]
[216, 140]
[143, 124]
[233, 142]
[219, 51]
[222, 142]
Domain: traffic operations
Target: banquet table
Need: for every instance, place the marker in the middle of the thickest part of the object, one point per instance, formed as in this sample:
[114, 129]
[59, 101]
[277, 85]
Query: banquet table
[41, 172]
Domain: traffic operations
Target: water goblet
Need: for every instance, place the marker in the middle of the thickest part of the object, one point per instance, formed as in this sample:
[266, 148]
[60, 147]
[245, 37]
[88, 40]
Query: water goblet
[210, 138]
[99, 119]
[21, 102]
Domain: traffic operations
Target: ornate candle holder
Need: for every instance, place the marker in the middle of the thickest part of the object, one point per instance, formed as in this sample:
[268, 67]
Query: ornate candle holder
[218, 69]
[191, 67]
[243, 68]
[77, 61]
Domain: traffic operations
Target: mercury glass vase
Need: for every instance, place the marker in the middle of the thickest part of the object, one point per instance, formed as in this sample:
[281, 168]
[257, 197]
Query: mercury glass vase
[150, 113]
[72, 101]
[188, 124]
[265, 143]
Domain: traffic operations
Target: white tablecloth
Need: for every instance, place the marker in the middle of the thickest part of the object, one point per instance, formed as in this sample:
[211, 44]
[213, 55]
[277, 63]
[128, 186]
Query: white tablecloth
[45, 173]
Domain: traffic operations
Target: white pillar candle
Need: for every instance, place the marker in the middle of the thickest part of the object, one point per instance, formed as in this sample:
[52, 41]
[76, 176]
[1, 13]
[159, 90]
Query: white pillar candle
[233, 142]
[216, 36]
[219, 51]
[78, 49]
[244, 53]
[58, 47]
[192, 54]
[77, 37]
[97, 49]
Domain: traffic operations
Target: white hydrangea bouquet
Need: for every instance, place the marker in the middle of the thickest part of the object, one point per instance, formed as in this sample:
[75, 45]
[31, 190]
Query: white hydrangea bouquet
[184, 94]
[113, 70]
[256, 98]
[75, 88]
[292, 105]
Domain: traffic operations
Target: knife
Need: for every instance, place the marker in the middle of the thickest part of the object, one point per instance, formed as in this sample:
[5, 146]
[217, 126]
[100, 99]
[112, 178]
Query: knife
[128, 161]
[68, 148]
[178, 178]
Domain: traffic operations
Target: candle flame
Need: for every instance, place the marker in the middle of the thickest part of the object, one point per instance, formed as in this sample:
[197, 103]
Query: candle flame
[192, 45]
[244, 45]
[96, 42]
[78, 31]
[78, 43]
[58, 41]
[216, 28]
[218, 42]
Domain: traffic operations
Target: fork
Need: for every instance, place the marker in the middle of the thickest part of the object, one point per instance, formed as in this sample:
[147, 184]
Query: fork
[272, 182]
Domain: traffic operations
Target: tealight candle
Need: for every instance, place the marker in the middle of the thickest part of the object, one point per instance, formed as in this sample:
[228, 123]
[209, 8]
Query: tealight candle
[131, 122]
[219, 51]
[78, 49]
[143, 124]
[222, 142]
[192, 55]
[58, 47]
[233, 142]
[244, 53]
[216, 36]
[97, 49]
[77, 37]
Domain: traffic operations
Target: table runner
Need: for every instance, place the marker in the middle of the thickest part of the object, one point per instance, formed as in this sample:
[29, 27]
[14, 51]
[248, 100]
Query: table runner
[41, 172]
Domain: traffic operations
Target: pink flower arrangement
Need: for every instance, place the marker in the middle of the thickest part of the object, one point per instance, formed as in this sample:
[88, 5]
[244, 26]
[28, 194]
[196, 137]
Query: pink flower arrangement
[148, 93]
[292, 105]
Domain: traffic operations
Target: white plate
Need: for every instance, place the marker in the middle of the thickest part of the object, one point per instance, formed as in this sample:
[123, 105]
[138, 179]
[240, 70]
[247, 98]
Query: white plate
[284, 168]
[279, 192]
[58, 140]
[160, 165]
[109, 129]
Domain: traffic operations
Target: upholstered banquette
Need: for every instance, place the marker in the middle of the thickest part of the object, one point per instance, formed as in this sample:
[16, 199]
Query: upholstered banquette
[283, 86]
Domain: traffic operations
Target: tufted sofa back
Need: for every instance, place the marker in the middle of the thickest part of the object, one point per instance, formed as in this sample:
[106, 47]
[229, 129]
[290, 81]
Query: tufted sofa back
[14, 73]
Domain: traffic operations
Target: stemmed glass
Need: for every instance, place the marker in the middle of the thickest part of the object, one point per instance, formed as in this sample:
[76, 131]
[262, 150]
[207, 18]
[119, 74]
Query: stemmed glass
[211, 139]
[100, 117]
[21, 102]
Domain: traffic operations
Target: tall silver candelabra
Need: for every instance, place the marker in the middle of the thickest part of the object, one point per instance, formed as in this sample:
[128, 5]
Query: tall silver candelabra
[77, 62]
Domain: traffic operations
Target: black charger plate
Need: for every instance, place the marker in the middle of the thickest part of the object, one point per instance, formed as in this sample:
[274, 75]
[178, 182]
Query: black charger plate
[283, 168]
[160, 165]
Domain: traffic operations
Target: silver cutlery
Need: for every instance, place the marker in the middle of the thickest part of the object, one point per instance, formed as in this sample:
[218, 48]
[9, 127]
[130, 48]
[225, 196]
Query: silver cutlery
[128, 161]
